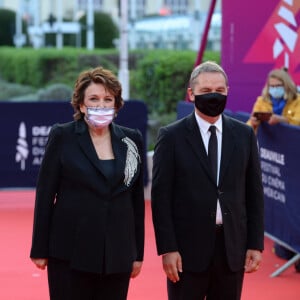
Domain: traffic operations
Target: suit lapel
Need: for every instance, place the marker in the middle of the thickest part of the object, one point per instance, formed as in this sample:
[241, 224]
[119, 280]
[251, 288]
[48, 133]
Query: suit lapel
[228, 145]
[86, 144]
[88, 148]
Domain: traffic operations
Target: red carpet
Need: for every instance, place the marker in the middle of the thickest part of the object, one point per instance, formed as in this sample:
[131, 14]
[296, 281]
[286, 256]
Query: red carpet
[20, 280]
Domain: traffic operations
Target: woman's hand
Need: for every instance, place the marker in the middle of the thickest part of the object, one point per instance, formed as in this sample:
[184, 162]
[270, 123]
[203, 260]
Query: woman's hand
[136, 268]
[254, 122]
[275, 119]
[41, 263]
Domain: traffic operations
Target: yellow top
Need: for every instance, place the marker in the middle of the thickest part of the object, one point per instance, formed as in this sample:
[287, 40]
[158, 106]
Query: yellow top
[291, 110]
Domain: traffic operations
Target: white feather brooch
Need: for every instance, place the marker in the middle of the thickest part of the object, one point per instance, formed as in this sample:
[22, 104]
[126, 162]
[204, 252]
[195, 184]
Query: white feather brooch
[132, 160]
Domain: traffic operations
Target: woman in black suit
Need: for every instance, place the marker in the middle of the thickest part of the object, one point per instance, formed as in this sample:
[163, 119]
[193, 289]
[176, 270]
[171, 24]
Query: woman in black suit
[89, 211]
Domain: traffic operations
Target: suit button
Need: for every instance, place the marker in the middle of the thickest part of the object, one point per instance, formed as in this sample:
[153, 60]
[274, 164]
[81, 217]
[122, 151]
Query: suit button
[220, 193]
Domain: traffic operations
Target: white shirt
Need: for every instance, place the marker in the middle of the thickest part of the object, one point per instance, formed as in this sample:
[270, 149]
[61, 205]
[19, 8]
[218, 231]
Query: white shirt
[205, 133]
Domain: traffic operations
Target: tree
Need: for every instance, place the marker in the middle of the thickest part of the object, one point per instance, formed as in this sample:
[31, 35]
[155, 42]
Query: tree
[7, 25]
[105, 30]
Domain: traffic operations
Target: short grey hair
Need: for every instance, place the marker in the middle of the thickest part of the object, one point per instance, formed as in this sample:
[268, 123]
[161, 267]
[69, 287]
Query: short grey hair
[206, 67]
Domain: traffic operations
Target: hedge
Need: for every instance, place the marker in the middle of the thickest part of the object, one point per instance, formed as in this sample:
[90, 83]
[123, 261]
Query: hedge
[158, 77]
[40, 67]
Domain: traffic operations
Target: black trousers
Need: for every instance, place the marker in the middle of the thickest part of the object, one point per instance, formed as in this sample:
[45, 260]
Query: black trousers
[218, 282]
[67, 284]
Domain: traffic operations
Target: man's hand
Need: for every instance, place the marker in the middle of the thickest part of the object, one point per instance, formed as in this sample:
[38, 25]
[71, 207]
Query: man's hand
[172, 264]
[253, 260]
[41, 263]
[136, 268]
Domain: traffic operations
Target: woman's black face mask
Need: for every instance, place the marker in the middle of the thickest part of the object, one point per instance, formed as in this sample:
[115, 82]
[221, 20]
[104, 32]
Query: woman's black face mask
[211, 104]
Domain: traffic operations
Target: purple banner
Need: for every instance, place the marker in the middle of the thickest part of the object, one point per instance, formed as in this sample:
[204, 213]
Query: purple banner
[25, 128]
[258, 36]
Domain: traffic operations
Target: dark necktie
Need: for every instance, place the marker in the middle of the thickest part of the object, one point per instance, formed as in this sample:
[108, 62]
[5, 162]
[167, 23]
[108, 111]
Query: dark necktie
[213, 151]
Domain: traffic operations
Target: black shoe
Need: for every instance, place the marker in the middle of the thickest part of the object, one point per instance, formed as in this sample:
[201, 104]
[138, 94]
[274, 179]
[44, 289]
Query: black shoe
[297, 266]
[282, 252]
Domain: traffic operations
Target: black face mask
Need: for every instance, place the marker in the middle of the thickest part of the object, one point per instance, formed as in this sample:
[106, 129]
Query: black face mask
[211, 104]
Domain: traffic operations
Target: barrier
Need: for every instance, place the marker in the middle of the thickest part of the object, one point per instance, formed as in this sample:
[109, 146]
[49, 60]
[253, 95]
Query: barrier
[25, 128]
[279, 150]
[184, 108]
[279, 153]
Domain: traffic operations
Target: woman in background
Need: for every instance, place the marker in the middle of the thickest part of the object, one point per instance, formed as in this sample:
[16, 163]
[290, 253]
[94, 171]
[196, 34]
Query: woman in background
[280, 98]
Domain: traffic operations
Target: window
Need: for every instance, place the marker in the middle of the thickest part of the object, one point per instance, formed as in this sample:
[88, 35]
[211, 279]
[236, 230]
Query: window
[139, 9]
[177, 6]
[82, 4]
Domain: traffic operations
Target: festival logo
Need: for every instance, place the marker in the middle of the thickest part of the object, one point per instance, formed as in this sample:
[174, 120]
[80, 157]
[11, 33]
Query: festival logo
[22, 146]
[279, 41]
[31, 146]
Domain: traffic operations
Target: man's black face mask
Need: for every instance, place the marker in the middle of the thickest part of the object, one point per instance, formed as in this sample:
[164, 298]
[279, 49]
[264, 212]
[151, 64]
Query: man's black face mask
[211, 104]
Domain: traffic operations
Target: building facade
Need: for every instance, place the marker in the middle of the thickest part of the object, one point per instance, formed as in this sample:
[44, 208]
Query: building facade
[171, 24]
[137, 8]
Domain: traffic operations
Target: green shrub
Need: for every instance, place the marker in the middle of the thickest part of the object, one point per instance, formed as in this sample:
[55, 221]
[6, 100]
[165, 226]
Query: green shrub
[162, 77]
[41, 67]
[55, 92]
[25, 98]
[158, 77]
[20, 66]
[93, 60]
[12, 90]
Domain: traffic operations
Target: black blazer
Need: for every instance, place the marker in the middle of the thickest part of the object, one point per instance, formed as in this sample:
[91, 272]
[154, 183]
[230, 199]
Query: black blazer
[184, 194]
[81, 216]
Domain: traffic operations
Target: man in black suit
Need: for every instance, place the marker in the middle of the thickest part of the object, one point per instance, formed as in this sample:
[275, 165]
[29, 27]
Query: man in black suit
[209, 228]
